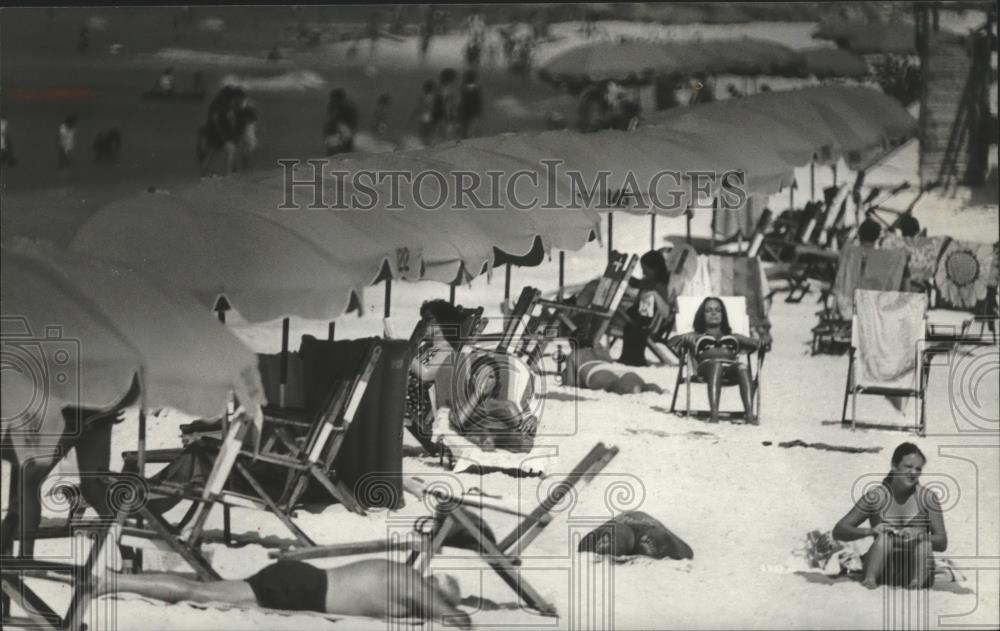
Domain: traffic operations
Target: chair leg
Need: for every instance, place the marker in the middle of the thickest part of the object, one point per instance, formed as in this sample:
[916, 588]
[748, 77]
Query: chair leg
[847, 388]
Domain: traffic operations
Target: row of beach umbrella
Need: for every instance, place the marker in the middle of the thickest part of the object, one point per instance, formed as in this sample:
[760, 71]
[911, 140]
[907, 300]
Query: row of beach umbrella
[639, 61]
[235, 240]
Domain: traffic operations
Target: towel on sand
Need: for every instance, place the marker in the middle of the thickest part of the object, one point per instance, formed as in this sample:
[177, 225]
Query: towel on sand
[890, 330]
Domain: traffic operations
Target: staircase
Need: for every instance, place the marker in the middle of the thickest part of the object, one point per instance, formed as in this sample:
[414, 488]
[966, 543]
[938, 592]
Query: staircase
[954, 108]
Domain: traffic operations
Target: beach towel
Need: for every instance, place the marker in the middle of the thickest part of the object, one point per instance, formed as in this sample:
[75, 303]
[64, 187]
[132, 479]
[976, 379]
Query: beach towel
[964, 272]
[866, 268]
[890, 331]
[923, 255]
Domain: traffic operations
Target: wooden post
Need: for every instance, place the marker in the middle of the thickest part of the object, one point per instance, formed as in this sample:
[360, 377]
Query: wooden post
[451, 295]
[812, 181]
[834, 167]
[652, 230]
[506, 285]
[282, 383]
[611, 233]
[331, 330]
[688, 214]
[387, 309]
[791, 196]
[562, 273]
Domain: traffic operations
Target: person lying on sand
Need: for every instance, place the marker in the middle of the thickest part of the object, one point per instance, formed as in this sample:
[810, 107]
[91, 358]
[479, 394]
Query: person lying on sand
[716, 352]
[356, 589]
[906, 521]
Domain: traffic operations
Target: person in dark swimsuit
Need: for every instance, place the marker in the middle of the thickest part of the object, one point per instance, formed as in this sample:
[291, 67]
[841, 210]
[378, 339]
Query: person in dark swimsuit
[357, 589]
[442, 322]
[716, 351]
[906, 521]
[652, 301]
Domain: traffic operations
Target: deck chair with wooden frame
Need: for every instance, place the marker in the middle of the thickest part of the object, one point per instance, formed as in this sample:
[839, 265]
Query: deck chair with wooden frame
[461, 516]
[590, 312]
[894, 323]
[687, 373]
[303, 448]
[39, 614]
[737, 245]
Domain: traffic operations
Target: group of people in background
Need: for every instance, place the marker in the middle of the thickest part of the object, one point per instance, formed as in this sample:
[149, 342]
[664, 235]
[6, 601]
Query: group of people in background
[447, 110]
[231, 128]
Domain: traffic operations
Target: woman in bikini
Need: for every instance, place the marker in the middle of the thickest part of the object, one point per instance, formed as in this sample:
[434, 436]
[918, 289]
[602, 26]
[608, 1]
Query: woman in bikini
[716, 350]
[906, 521]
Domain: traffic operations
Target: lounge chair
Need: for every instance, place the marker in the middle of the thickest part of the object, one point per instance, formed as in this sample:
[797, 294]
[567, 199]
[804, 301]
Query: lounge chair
[457, 521]
[39, 614]
[858, 267]
[687, 373]
[354, 390]
[889, 355]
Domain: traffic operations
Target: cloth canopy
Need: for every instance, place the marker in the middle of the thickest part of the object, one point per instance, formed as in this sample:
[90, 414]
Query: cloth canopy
[866, 38]
[834, 62]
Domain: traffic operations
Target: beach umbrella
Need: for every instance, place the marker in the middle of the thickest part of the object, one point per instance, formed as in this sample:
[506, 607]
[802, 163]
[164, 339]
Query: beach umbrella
[81, 330]
[217, 251]
[834, 62]
[866, 38]
[624, 62]
[742, 56]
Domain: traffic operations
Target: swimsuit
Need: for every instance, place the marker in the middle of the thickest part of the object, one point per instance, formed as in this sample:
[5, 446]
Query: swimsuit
[707, 342]
[290, 585]
[418, 393]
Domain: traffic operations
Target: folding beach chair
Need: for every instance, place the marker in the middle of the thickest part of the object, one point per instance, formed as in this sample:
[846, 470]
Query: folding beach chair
[687, 373]
[458, 521]
[586, 316]
[889, 356]
[739, 244]
[320, 448]
[38, 614]
[858, 267]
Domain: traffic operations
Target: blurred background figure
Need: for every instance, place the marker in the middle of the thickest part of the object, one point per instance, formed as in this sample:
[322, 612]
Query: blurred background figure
[66, 140]
[224, 129]
[448, 93]
[6, 146]
[246, 123]
[107, 146]
[476, 39]
[165, 84]
[380, 118]
[470, 108]
[426, 112]
[341, 123]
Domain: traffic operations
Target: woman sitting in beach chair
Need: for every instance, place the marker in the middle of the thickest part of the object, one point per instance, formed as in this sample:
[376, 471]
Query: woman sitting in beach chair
[906, 522]
[716, 351]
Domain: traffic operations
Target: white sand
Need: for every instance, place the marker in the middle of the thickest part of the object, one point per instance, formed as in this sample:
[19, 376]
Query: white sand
[742, 506]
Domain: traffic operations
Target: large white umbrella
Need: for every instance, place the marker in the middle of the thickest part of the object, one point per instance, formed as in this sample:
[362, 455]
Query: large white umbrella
[79, 330]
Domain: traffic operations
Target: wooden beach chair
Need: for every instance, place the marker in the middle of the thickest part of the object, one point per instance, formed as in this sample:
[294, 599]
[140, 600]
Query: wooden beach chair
[895, 322]
[39, 614]
[301, 449]
[458, 519]
[687, 373]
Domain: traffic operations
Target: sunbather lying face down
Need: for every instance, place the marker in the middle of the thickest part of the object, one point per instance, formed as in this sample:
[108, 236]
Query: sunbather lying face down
[716, 350]
[376, 589]
[906, 521]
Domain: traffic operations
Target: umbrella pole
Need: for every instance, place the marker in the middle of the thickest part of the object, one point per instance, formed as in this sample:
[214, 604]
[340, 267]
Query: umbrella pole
[562, 273]
[451, 295]
[687, 215]
[812, 181]
[285, 324]
[611, 233]
[791, 196]
[652, 231]
[387, 308]
[506, 286]
[834, 167]
[331, 330]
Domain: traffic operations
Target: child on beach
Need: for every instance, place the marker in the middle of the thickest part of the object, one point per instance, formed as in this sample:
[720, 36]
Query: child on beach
[716, 350]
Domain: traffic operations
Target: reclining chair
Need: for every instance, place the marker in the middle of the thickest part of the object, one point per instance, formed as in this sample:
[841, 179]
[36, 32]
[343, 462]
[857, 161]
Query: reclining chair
[687, 374]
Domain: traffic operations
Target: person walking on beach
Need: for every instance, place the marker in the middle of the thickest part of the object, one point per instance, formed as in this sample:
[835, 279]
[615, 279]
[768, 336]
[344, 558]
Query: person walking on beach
[66, 140]
[426, 112]
[906, 521]
[341, 123]
[470, 106]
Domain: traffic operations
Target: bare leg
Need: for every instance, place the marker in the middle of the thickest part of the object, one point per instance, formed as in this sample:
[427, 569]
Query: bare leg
[712, 373]
[875, 560]
[173, 589]
[921, 560]
[743, 379]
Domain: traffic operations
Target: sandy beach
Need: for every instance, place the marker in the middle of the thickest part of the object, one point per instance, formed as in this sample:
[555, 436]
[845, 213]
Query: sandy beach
[743, 502]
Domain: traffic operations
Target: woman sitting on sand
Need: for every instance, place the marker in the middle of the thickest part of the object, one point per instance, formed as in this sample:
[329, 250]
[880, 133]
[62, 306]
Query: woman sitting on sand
[652, 301]
[906, 522]
[442, 323]
[716, 350]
